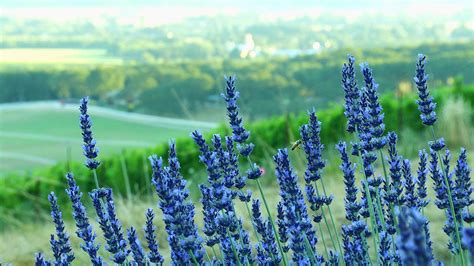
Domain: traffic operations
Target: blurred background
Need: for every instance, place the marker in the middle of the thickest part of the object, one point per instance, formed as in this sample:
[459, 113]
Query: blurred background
[168, 59]
[154, 70]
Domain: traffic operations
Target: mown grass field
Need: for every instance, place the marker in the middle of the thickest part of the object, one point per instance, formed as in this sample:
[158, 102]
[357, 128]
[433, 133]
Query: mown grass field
[31, 136]
[22, 56]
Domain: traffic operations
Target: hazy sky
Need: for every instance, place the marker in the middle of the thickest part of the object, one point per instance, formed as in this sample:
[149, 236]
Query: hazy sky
[169, 11]
[232, 3]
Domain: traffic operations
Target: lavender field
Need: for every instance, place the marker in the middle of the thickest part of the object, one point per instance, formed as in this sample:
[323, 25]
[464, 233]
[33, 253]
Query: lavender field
[389, 212]
[236, 133]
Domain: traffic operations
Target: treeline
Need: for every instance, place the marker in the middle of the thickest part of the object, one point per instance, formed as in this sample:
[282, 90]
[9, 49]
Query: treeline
[21, 192]
[268, 87]
[224, 36]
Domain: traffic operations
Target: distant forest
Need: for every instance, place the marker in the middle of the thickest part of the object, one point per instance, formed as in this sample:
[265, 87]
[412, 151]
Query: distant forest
[268, 87]
[240, 35]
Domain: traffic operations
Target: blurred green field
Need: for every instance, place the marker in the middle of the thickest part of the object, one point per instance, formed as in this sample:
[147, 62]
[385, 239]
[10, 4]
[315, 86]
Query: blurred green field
[43, 135]
[56, 56]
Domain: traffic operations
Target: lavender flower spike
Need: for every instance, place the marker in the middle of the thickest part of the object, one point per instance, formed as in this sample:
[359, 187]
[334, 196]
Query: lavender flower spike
[89, 146]
[468, 241]
[154, 256]
[410, 198]
[385, 255]
[239, 133]
[373, 112]
[185, 243]
[62, 244]
[109, 224]
[426, 104]
[137, 250]
[463, 190]
[351, 205]
[413, 242]
[437, 145]
[268, 242]
[421, 180]
[394, 193]
[84, 229]
[351, 95]
[41, 261]
[296, 215]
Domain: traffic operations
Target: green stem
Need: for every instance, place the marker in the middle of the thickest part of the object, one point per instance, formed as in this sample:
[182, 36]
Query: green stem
[326, 222]
[388, 182]
[332, 220]
[255, 229]
[308, 247]
[324, 242]
[283, 255]
[364, 243]
[271, 221]
[376, 239]
[207, 255]
[214, 251]
[96, 180]
[390, 206]
[251, 219]
[372, 216]
[194, 258]
[233, 248]
[146, 173]
[379, 206]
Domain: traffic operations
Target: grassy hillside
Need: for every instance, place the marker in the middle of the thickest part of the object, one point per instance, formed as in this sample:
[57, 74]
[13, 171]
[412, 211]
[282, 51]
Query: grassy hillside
[33, 135]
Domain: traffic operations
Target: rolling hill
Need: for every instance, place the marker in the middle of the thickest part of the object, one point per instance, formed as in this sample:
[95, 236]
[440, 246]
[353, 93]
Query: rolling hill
[43, 133]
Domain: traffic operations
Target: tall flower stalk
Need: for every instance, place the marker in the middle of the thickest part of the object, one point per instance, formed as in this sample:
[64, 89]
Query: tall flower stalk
[302, 236]
[89, 147]
[103, 202]
[313, 149]
[367, 121]
[240, 135]
[60, 243]
[154, 255]
[84, 229]
[427, 106]
[185, 243]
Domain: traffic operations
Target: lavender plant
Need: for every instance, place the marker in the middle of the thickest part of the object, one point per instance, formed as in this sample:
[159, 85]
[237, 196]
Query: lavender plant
[61, 246]
[110, 225]
[313, 149]
[413, 243]
[154, 255]
[84, 229]
[442, 176]
[185, 243]
[388, 211]
[89, 147]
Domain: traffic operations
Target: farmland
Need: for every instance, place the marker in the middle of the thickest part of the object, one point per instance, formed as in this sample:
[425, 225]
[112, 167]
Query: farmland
[39, 134]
